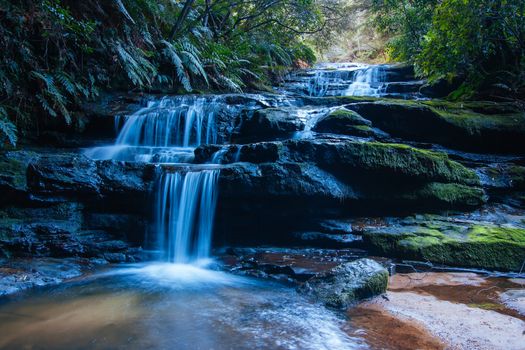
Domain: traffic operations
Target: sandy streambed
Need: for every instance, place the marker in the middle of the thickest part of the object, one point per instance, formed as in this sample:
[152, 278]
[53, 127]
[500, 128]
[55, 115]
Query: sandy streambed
[444, 311]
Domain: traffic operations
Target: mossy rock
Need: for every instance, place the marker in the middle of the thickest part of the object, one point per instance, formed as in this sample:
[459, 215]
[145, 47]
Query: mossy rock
[449, 195]
[13, 170]
[347, 284]
[379, 160]
[474, 126]
[476, 246]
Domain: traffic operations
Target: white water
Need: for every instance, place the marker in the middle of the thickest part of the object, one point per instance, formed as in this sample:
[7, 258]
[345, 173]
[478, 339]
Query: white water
[367, 82]
[338, 79]
[165, 131]
[185, 210]
[168, 130]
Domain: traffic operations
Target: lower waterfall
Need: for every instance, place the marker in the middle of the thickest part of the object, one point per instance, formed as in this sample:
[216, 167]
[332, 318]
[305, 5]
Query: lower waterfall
[185, 210]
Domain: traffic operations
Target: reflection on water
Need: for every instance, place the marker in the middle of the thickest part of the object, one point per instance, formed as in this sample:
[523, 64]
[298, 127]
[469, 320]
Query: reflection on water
[170, 306]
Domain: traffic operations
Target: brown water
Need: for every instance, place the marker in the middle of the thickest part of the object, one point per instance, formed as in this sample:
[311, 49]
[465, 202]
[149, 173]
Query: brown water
[170, 307]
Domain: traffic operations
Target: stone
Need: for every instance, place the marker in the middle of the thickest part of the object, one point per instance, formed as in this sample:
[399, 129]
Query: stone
[475, 245]
[347, 284]
[470, 126]
[267, 124]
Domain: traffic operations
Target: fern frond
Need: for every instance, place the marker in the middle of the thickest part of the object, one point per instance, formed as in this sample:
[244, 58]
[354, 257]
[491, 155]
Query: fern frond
[174, 58]
[66, 81]
[124, 11]
[7, 129]
[195, 65]
[46, 106]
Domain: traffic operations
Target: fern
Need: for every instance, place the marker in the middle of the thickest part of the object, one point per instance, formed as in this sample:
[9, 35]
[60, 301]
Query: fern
[195, 65]
[7, 129]
[138, 69]
[171, 54]
[124, 11]
[67, 82]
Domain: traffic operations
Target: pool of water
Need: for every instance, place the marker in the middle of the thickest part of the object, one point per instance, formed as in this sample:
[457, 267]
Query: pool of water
[170, 306]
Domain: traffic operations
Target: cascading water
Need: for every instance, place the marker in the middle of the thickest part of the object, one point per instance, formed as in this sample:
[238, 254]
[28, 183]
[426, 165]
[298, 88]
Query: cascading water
[367, 82]
[341, 79]
[185, 212]
[165, 131]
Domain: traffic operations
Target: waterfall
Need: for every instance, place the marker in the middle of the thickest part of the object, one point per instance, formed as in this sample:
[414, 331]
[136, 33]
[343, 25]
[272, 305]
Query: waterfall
[165, 130]
[367, 82]
[171, 122]
[185, 210]
[329, 82]
[341, 79]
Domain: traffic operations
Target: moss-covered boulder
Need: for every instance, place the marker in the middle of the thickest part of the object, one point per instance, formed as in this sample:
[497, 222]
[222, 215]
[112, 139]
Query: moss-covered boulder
[472, 126]
[478, 246]
[348, 283]
[376, 159]
[345, 122]
[447, 195]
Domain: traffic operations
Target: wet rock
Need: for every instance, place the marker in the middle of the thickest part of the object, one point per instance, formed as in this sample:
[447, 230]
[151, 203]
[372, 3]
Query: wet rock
[77, 176]
[403, 88]
[475, 245]
[281, 180]
[297, 264]
[344, 122]
[267, 124]
[63, 173]
[350, 158]
[20, 274]
[503, 176]
[348, 283]
[514, 299]
[474, 126]
[13, 173]
[440, 89]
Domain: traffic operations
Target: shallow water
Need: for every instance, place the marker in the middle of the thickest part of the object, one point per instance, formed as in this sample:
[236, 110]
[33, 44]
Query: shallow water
[170, 306]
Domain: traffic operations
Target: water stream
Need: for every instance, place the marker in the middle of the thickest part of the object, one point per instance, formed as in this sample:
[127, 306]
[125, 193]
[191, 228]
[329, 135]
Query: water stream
[176, 302]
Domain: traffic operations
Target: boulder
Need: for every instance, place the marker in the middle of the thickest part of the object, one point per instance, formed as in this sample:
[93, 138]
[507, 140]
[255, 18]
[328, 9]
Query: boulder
[472, 126]
[344, 122]
[347, 284]
[267, 124]
[477, 245]
[70, 174]
[13, 173]
[351, 159]
[299, 181]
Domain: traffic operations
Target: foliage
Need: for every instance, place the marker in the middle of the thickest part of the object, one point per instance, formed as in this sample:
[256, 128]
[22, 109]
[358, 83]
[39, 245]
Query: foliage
[58, 53]
[480, 41]
[406, 22]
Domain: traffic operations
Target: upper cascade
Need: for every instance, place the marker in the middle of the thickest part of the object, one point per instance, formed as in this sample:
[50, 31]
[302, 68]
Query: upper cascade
[167, 130]
[353, 79]
[168, 122]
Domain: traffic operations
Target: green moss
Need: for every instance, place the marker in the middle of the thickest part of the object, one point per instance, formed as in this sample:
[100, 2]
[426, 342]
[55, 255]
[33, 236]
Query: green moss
[348, 117]
[14, 171]
[490, 234]
[490, 247]
[487, 306]
[364, 128]
[517, 176]
[424, 163]
[453, 194]
[475, 116]
[375, 285]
